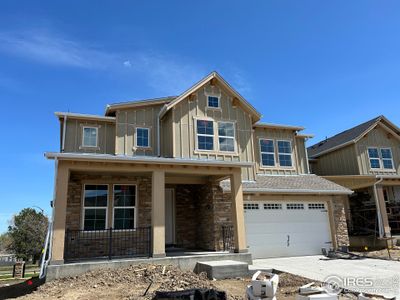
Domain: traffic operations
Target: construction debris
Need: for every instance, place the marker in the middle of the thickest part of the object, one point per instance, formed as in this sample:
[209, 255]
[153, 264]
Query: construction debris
[263, 286]
[311, 291]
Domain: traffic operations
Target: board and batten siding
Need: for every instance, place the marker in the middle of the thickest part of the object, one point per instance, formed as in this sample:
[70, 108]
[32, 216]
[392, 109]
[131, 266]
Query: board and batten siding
[127, 121]
[339, 162]
[379, 138]
[185, 114]
[299, 159]
[74, 132]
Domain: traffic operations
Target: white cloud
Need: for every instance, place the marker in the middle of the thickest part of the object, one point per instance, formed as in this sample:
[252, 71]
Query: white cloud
[127, 64]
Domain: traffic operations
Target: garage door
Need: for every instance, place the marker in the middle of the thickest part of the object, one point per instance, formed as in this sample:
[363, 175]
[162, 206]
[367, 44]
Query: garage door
[278, 229]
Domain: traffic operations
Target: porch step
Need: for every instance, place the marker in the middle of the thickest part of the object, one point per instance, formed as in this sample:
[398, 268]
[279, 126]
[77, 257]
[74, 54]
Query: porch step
[222, 269]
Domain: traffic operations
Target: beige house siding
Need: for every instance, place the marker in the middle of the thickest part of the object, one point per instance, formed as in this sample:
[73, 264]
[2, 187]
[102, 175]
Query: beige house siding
[74, 131]
[340, 162]
[379, 138]
[277, 134]
[126, 123]
[302, 161]
[185, 114]
[167, 146]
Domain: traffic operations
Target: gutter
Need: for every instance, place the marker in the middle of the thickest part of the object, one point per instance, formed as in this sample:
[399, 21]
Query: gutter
[294, 191]
[378, 208]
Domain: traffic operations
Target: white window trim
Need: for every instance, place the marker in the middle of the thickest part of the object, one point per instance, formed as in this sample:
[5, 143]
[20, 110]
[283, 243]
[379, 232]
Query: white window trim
[261, 153]
[134, 207]
[83, 137]
[94, 207]
[197, 134]
[287, 154]
[219, 102]
[391, 159]
[136, 137]
[227, 137]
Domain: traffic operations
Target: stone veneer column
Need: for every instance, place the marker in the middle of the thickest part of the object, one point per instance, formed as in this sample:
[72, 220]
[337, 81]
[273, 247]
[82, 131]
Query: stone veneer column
[340, 223]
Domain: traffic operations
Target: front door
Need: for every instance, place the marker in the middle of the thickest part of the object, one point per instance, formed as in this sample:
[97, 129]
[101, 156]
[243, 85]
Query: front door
[169, 217]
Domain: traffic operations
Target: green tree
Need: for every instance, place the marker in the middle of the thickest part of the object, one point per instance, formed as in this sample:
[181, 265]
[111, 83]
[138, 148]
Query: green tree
[28, 231]
[5, 243]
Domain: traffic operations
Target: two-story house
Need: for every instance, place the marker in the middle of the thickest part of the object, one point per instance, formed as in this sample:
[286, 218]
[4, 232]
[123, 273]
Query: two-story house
[366, 159]
[197, 171]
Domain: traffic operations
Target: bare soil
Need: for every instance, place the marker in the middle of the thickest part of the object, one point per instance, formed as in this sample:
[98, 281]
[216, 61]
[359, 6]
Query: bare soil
[131, 283]
[382, 254]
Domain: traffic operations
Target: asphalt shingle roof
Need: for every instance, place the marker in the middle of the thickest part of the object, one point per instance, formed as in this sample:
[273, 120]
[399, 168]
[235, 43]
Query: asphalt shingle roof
[341, 138]
[291, 183]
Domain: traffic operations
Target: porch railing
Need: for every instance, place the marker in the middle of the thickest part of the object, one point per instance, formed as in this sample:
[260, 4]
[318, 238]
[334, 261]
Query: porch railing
[228, 236]
[109, 243]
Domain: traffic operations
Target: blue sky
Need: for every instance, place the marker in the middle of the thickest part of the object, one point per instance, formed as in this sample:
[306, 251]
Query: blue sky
[325, 65]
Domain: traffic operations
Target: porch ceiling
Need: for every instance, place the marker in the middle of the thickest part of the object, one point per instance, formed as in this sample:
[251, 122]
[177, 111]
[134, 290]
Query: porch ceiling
[355, 182]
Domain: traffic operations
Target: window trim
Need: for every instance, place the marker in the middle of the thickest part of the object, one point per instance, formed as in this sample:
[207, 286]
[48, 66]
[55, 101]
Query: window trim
[197, 134]
[134, 207]
[391, 154]
[83, 207]
[262, 166]
[136, 138]
[287, 154]
[228, 137]
[83, 136]
[219, 102]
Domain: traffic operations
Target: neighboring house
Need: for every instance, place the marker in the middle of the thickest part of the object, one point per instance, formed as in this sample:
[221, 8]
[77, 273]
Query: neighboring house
[196, 171]
[366, 159]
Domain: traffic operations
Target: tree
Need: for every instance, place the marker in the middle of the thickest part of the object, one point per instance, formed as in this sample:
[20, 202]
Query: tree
[28, 232]
[5, 243]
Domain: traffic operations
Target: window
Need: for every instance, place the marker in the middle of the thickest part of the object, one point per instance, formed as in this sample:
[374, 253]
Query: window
[285, 153]
[124, 206]
[213, 102]
[89, 137]
[374, 161]
[95, 207]
[205, 135]
[142, 137]
[272, 206]
[387, 158]
[226, 136]
[267, 149]
[316, 206]
[294, 206]
[250, 206]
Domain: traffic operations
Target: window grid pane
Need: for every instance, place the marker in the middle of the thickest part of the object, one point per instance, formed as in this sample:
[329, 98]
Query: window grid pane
[294, 206]
[267, 153]
[387, 163]
[89, 136]
[205, 135]
[285, 153]
[213, 101]
[284, 147]
[226, 133]
[124, 206]
[142, 138]
[250, 206]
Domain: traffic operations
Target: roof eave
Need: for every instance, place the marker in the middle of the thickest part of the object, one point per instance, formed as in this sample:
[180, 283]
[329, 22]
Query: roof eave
[294, 191]
[62, 115]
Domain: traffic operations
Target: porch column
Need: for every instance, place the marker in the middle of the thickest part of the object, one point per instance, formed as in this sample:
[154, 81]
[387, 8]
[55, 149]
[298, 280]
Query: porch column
[59, 218]
[158, 213]
[238, 211]
[380, 201]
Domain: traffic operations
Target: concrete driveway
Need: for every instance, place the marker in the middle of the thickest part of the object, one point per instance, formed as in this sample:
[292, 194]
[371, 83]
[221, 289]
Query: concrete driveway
[375, 276]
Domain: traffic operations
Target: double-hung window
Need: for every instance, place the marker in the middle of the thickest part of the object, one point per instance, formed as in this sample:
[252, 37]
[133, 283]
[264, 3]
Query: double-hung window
[387, 158]
[95, 201]
[142, 137]
[267, 153]
[124, 206]
[213, 102]
[89, 136]
[285, 153]
[205, 135]
[374, 160]
[226, 136]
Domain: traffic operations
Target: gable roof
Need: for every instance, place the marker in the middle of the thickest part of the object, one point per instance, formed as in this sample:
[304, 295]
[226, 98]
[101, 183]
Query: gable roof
[348, 137]
[137, 103]
[201, 83]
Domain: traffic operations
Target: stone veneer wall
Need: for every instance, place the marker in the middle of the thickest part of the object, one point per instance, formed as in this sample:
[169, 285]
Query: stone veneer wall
[340, 223]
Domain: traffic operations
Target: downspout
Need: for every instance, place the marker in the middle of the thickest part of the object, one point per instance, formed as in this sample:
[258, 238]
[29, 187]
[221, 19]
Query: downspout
[378, 209]
[64, 133]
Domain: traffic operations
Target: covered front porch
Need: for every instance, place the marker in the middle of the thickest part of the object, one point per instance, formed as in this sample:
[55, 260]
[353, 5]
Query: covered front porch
[171, 208]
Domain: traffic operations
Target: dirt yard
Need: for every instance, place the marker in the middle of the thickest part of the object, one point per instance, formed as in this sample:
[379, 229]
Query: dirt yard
[383, 254]
[131, 283]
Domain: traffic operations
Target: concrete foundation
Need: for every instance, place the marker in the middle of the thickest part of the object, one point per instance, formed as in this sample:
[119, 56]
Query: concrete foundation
[188, 262]
[222, 269]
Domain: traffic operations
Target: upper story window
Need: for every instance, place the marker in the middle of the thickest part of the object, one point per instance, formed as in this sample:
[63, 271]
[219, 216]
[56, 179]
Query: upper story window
[213, 102]
[95, 200]
[285, 153]
[380, 158]
[267, 153]
[89, 136]
[142, 137]
[205, 135]
[124, 206]
[226, 136]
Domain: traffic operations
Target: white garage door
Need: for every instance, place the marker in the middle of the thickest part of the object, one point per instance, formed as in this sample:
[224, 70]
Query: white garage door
[278, 229]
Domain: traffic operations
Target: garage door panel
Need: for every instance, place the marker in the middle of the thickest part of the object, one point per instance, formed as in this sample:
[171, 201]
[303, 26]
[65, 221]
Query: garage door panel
[286, 232]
